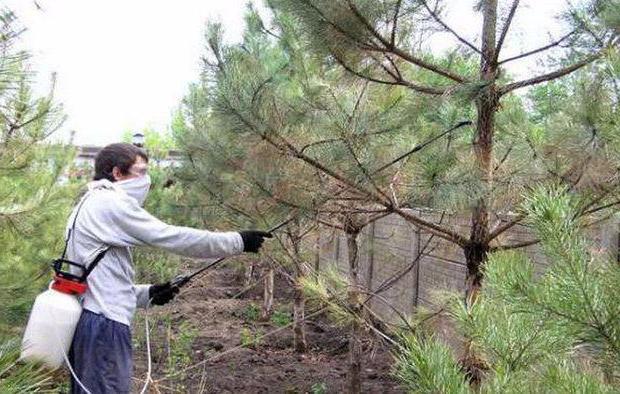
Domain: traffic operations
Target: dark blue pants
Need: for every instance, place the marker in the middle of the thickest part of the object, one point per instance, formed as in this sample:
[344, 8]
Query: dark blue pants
[101, 355]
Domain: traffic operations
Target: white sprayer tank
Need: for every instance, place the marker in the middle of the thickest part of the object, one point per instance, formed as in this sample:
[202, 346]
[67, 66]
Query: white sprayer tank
[50, 328]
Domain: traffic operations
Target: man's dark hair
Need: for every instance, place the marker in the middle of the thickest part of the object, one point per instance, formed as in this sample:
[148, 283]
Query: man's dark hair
[118, 155]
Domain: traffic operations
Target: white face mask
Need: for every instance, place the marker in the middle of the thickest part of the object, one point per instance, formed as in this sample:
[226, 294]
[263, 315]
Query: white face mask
[137, 188]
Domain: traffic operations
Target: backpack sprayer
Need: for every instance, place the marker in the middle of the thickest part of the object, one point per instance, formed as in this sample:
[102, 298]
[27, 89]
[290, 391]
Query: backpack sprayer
[56, 311]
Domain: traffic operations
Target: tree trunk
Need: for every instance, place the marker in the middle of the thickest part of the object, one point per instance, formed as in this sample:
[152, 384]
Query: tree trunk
[370, 273]
[299, 302]
[486, 106]
[299, 331]
[248, 274]
[476, 250]
[267, 309]
[317, 253]
[355, 345]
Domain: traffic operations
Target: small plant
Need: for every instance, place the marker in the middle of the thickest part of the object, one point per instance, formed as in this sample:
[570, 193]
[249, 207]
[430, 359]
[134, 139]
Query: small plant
[180, 348]
[318, 388]
[250, 339]
[251, 312]
[281, 318]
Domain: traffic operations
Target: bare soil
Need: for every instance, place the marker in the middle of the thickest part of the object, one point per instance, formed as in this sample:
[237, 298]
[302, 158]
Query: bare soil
[198, 343]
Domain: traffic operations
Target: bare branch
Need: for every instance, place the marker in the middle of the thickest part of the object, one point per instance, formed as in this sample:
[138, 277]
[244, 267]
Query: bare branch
[401, 82]
[504, 158]
[432, 228]
[449, 29]
[602, 207]
[550, 76]
[395, 23]
[502, 37]
[399, 52]
[541, 49]
[315, 143]
[389, 282]
[505, 227]
[421, 146]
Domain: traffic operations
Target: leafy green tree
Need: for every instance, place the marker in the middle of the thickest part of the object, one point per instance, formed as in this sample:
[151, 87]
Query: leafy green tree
[558, 332]
[158, 144]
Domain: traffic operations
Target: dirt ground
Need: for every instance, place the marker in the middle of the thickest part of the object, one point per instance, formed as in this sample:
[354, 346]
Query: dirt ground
[198, 346]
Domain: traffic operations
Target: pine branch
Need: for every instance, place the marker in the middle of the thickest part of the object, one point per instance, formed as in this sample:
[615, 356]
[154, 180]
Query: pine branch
[338, 28]
[421, 146]
[541, 49]
[395, 23]
[428, 226]
[550, 76]
[399, 52]
[365, 172]
[505, 227]
[399, 82]
[523, 244]
[448, 28]
[502, 37]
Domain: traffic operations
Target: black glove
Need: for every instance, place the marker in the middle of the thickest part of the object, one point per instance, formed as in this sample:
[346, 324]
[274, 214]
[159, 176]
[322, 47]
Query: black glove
[162, 293]
[252, 240]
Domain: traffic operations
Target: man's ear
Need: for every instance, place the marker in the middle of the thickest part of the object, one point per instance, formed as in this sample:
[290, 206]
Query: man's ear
[116, 173]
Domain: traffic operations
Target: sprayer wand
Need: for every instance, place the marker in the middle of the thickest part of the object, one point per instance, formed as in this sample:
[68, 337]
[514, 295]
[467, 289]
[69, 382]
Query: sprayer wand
[182, 280]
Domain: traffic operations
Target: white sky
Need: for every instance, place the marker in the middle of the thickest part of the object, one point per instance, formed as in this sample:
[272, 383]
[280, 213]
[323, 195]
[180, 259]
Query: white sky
[126, 64]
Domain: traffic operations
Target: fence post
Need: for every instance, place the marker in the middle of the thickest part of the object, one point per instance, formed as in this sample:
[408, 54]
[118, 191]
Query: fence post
[371, 257]
[418, 250]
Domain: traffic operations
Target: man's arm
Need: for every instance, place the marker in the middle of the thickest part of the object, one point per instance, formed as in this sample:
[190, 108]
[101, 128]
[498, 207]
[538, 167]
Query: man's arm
[122, 222]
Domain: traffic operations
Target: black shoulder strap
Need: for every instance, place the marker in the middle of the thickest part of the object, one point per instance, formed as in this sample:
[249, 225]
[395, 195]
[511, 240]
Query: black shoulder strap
[100, 255]
[72, 228]
[92, 265]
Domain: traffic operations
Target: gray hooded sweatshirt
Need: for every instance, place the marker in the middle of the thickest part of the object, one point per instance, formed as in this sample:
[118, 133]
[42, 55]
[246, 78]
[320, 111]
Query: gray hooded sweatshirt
[111, 219]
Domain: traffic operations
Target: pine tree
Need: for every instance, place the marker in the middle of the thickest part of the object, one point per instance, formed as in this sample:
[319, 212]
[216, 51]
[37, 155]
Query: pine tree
[558, 332]
[361, 100]
[379, 42]
[33, 206]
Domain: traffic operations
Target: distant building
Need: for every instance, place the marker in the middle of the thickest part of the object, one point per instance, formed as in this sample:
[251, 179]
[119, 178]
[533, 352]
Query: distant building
[86, 157]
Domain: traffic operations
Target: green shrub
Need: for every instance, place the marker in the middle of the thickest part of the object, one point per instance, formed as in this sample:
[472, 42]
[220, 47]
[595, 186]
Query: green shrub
[251, 312]
[318, 388]
[281, 318]
[250, 339]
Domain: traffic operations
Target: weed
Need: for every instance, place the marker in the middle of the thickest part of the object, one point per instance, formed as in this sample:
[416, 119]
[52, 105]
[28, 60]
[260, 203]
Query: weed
[250, 339]
[181, 345]
[318, 388]
[251, 312]
[281, 318]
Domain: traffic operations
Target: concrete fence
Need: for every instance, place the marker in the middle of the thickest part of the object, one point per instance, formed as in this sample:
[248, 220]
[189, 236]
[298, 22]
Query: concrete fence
[418, 266]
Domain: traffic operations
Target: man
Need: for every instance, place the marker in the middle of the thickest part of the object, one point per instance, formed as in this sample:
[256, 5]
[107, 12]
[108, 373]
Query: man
[110, 218]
